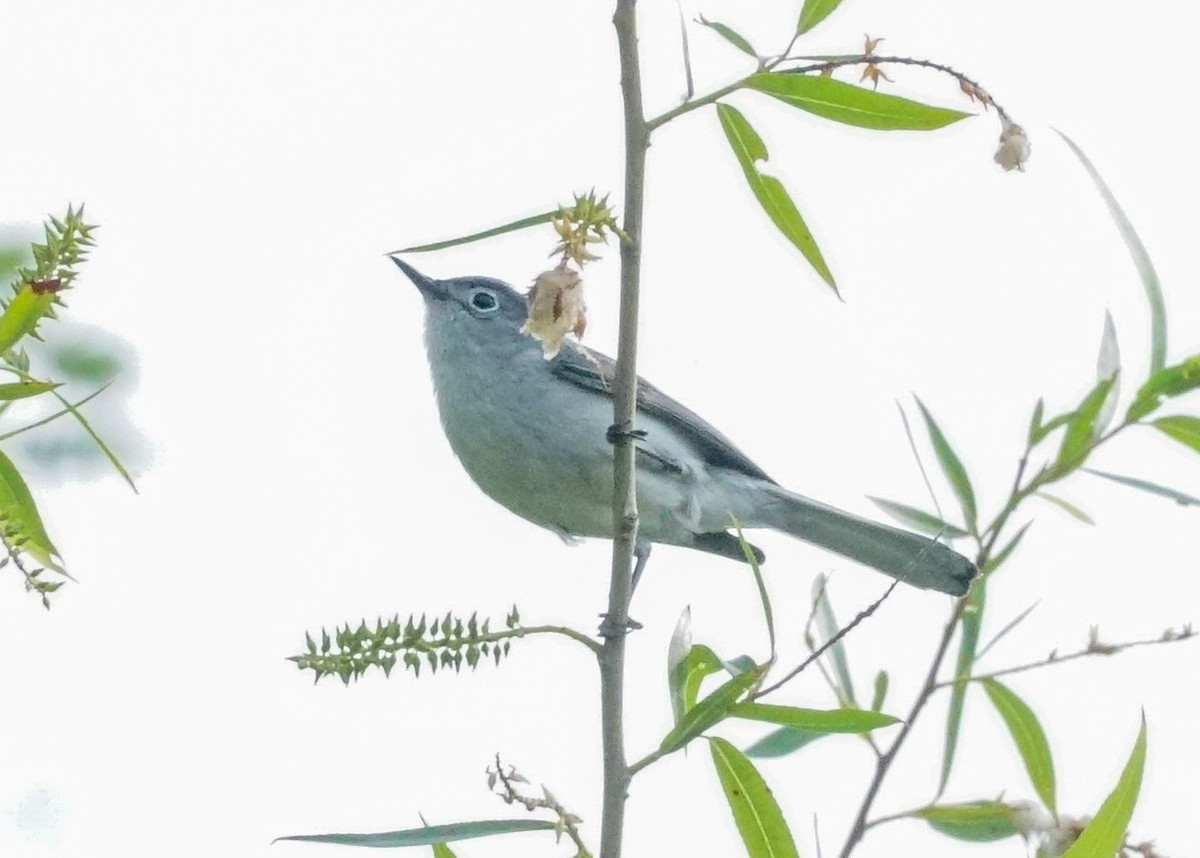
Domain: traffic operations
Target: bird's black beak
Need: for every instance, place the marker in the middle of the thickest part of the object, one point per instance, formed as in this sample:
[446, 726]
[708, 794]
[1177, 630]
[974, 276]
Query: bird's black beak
[430, 288]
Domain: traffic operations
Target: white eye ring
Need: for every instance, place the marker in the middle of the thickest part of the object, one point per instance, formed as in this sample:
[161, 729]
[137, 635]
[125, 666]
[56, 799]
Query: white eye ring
[484, 301]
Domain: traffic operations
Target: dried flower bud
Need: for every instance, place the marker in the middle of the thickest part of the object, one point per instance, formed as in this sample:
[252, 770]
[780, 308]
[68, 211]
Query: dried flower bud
[1014, 149]
[1030, 818]
[555, 308]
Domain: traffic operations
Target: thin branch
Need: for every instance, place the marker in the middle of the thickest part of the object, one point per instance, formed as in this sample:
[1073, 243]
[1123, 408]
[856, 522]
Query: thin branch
[568, 823]
[969, 86]
[885, 762]
[625, 511]
[1094, 647]
[821, 650]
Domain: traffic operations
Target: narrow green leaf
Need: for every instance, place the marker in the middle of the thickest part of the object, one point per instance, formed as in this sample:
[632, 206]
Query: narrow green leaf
[1030, 739]
[25, 389]
[679, 650]
[686, 676]
[19, 514]
[952, 467]
[1108, 365]
[919, 520]
[22, 314]
[729, 35]
[852, 105]
[828, 626]
[1068, 507]
[881, 690]
[1038, 434]
[759, 820]
[1035, 422]
[814, 12]
[1183, 428]
[1106, 832]
[975, 822]
[768, 614]
[814, 720]
[440, 850]
[1141, 260]
[428, 835]
[523, 223]
[972, 618]
[769, 191]
[1147, 486]
[1081, 430]
[781, 742]
[1008, 627]
[1173, 381]
[1003, 554]
[709, 711]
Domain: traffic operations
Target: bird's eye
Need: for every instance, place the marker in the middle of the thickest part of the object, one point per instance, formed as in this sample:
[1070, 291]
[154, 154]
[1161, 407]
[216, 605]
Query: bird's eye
[484, 301]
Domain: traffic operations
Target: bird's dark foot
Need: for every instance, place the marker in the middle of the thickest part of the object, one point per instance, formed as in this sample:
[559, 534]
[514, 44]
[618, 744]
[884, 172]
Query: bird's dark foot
[611, 629]
[616, 434]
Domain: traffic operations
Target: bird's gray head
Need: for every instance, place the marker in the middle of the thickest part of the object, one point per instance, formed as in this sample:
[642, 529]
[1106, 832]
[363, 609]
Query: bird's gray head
[480, 303]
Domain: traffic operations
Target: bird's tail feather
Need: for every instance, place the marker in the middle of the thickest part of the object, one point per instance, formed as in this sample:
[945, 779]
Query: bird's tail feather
[911, 558]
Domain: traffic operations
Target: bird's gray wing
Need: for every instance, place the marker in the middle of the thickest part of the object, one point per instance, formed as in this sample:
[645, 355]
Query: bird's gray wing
[594, 371]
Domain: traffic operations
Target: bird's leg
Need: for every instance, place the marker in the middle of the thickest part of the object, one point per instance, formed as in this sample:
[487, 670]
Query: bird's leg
[641, 553]
[616, 434]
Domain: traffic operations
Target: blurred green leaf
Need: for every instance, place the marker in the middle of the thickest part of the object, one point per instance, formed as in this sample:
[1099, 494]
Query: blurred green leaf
[1141, 260]
[1068, 507]
[781, 742]
[975, 822]
[1147, 486]
[441, 850]
[827, 625]
[972, 619]
[1081, 430]
[1172, 381]
[709, 711]
[428, 835]
[919, 520]
[20, 518]
[1105, 834]
[952, 467]
[816, 720]
[814, 12]
[852, 105]
[1030, 739]
[881, 690]
[729, 35]
[1183, 428]
[25, 389]
[755, 812]
[769, 191]
[1002, 555]
[86, 363]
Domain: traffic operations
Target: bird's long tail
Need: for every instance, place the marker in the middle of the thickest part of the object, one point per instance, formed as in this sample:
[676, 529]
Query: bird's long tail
[912, 558]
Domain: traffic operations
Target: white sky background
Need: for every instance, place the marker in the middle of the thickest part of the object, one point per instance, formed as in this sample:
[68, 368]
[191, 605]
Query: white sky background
[251, 162]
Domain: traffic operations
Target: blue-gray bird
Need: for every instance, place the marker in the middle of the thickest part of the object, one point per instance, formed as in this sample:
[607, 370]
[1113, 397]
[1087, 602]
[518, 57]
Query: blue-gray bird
[532, 433]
